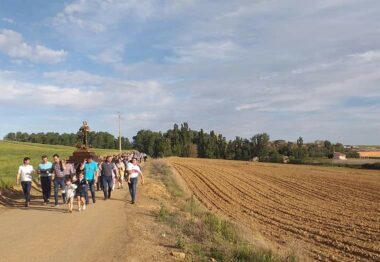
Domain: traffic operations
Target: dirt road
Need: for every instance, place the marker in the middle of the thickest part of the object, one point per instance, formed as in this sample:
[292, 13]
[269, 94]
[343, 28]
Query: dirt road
[112, 230]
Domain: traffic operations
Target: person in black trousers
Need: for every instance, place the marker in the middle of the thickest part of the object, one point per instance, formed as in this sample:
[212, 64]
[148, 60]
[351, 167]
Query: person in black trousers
[25, 174]
[45, 170]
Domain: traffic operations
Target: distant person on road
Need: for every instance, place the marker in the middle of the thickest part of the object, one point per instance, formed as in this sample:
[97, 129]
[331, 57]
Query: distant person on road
[134, 171]
[81, 191]
[90, 168]
[25, 173]
[108, 169]
[70, 189]
[120, 175]
[45, 172]
[58, 178]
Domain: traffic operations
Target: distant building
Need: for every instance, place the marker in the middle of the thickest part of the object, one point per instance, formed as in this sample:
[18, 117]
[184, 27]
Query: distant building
[369, 153]
[339, 156]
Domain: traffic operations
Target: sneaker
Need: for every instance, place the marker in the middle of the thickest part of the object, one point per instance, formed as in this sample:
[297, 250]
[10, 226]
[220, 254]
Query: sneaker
[79, 209]
[84, 207]
[94, 201]
[56, 205]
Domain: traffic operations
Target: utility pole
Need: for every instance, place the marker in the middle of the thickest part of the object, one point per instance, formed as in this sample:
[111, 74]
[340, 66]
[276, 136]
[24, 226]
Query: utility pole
[119, 116]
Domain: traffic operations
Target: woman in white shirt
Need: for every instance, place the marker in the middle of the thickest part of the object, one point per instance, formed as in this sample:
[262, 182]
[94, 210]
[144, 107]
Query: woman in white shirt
[25, 172]
[134, 171]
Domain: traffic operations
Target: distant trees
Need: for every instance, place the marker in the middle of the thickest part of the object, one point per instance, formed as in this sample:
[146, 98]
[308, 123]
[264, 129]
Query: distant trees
[185, 142]
[95, 139]
[260, 146]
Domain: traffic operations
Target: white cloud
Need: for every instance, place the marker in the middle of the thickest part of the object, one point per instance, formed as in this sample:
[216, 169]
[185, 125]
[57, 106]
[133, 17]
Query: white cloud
[197, 52]
[117, 90]
[109, 56]
[98, 15]
[13, 44]
[369, 56]
[77, 78]
[25, 95]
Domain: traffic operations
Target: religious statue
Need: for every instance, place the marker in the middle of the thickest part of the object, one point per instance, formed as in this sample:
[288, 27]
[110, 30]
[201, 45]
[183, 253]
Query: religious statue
[85, 129]
[83, 151]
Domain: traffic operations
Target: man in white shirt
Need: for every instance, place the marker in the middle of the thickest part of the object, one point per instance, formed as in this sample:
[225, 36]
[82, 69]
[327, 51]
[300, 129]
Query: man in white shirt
[134, 171]
[25, 173]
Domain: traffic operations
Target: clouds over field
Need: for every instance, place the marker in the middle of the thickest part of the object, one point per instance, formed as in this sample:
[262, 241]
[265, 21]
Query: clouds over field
[289, 68]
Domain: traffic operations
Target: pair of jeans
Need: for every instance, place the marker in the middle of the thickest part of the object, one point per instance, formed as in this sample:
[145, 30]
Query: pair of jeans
[46, 187]
[59, 182]
[107, 186]
[91, 186]
[26, 186]
[99, 185]
[133, 188]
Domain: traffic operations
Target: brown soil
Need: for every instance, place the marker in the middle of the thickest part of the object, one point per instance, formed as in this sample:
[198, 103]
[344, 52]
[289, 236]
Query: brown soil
[331, 213]
[112, 230]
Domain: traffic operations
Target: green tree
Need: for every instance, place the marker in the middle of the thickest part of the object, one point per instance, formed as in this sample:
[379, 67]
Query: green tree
[260, 146]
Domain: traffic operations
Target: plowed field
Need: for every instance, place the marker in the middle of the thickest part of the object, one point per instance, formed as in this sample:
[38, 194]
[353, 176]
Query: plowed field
[332, 213]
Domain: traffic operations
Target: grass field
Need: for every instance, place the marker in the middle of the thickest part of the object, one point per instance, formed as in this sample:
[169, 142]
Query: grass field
[12, 153]
[331, 213]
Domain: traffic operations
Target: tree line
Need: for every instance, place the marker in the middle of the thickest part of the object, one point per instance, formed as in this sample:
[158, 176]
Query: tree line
[95, 139]
[185, 142]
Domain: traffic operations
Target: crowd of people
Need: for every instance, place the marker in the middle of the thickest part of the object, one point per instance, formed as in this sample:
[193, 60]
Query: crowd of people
[74, 180]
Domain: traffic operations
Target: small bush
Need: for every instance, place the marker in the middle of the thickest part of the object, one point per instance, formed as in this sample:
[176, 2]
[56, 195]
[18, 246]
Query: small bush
[212, 222]
[374, 166]
[228, 231]
[163, 214]
[275, 157]
[192, 207]
[217, 253]
[293, 160]
[245, 253]
[196, 230]
[181, 243]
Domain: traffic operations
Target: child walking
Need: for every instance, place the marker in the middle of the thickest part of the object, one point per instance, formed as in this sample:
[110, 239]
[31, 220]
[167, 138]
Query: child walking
[81, 192]
[70, 189]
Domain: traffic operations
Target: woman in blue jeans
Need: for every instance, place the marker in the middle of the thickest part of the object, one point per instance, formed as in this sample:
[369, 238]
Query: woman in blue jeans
[134, 171]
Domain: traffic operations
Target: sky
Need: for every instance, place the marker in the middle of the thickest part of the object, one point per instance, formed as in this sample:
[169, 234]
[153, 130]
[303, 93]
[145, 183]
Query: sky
[289, 68]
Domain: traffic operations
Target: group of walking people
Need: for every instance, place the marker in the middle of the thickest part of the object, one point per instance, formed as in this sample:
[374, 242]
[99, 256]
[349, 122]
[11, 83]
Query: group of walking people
[75, 180]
